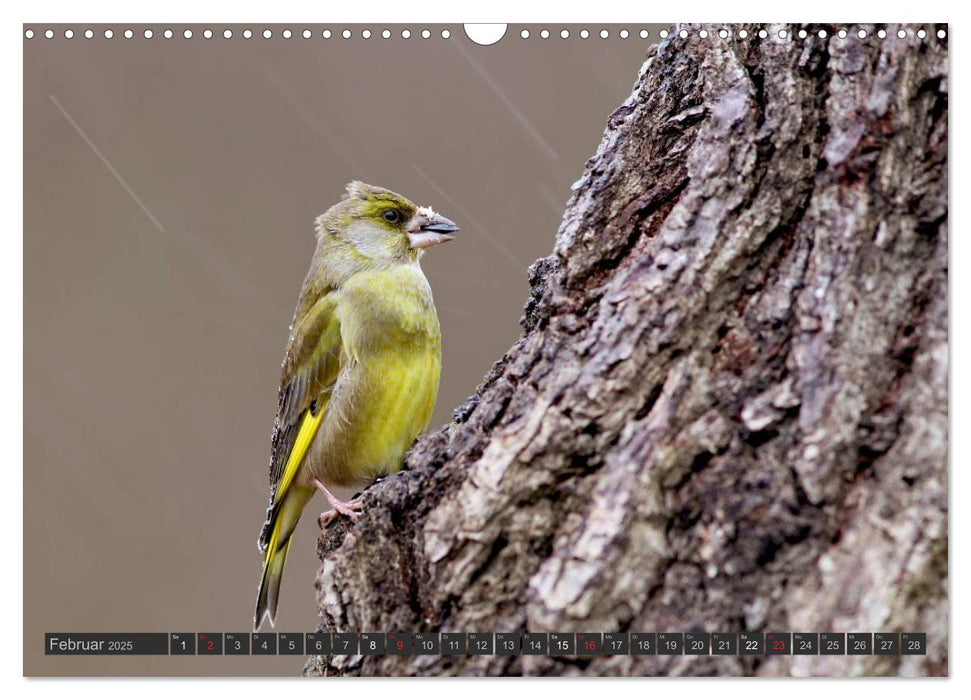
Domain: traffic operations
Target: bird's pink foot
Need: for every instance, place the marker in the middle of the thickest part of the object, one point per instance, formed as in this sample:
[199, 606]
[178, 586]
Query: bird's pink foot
[352, 509]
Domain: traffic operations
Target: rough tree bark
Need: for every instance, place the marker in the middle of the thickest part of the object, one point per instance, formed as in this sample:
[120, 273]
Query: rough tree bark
[728, 407]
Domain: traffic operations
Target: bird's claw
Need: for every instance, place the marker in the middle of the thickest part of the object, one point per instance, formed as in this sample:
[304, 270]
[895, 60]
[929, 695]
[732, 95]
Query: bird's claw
[352, 509]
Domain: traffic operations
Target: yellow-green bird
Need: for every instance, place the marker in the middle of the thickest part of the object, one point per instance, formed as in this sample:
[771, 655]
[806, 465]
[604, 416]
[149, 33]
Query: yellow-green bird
[361, 370]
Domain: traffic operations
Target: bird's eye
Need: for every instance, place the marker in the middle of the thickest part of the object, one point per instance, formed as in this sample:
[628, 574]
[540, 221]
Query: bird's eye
[392, 216]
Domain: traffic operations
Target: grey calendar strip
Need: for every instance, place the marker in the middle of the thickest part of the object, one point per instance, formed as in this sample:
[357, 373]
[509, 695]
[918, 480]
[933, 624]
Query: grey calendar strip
[487, 643]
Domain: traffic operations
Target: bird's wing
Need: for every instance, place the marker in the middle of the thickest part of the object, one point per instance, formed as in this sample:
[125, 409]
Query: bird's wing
[312, 365]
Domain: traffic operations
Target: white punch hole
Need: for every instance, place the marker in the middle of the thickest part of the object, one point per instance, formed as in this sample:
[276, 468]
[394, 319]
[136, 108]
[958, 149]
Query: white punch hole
[485, 34]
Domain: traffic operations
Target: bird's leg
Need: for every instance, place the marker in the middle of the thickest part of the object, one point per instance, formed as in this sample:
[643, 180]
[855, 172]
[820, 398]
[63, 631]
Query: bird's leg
[352, 509]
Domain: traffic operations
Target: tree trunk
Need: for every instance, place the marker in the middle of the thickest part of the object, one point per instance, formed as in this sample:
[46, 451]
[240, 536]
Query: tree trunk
[728, 407]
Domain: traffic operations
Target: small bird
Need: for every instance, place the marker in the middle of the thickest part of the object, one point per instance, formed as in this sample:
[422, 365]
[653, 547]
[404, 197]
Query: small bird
[362, 365]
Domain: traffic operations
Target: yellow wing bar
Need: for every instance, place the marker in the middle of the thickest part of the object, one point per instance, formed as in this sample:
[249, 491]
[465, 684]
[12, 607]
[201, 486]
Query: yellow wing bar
[305, 435]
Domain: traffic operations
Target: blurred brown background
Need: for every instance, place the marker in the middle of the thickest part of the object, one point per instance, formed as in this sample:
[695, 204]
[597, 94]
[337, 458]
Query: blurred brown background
[170, 188]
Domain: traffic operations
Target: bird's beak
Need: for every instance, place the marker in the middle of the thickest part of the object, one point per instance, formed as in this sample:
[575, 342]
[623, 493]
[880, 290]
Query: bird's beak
[432, 230]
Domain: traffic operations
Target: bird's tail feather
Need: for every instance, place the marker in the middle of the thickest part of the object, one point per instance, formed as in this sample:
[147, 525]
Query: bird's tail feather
[283, 521]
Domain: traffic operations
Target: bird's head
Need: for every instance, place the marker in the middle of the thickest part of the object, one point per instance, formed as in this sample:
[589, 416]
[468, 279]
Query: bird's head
[383, 227]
